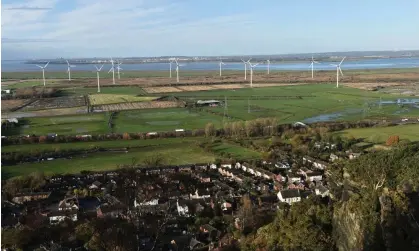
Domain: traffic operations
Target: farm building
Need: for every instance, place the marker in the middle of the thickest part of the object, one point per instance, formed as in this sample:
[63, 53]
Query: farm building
[208, 103]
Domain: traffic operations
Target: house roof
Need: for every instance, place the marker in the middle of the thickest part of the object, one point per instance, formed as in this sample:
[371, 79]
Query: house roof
[33, 194]
[314, 173]
[108, 209]
[62, 213]
[290, 193]
[97, 183]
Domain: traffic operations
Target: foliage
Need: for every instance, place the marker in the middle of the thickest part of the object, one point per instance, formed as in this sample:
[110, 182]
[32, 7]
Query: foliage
[155, 160]
[209, 130]
[392, 140]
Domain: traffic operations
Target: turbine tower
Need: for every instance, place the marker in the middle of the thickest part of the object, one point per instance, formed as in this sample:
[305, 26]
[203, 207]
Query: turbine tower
[269, 63]
[221, 63]
[251, 73]
[245, 67]
[69, 70]
[113, 71]
[118, 67]
[43, 71]
[97, 75]
[312, 66]
[170, 63]
[177, 70]
[338, 69]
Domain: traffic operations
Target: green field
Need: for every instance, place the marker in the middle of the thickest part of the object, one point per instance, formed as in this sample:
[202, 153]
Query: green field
[125, 90]
[105, 99]
[162, 120]
[319, 102]
[234, 151]
[173, 154]
[381, 134]
[62, 125]
[28, 148]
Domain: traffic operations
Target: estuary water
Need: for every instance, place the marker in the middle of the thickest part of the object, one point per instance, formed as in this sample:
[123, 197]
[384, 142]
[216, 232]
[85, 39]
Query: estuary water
[383, 63]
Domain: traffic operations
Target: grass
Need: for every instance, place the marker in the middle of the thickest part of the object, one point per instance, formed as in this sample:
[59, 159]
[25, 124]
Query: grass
[174, 154]
[318, 102]
[24, 149]
[380, 134]
[162, 120]
[235, 151]
[105, 99]
[62, 125]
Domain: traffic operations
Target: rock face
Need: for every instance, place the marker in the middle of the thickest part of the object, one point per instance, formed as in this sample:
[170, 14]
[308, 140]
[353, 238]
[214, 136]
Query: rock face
[395, 229]
[346, 229]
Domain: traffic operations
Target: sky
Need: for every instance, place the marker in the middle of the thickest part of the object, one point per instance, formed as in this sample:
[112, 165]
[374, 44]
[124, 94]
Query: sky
[136, 28]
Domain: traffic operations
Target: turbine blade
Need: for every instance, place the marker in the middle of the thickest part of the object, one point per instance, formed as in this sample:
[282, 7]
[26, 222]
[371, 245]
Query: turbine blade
[46, 65]
[110, 69]
[341, 73]
[342, 60]
[40, 66]
[97, 69]
[67, 62]
[335, 65]
[101, 68]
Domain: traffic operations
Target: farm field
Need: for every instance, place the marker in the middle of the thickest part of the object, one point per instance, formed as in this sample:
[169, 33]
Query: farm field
[381, 134]
[49, 147]
[122, 90]
[104, 99]
[163, 120]
[235, 151]
[12, 103]
[174, 154]
[138, 105]
[306, 103]
[62, 125]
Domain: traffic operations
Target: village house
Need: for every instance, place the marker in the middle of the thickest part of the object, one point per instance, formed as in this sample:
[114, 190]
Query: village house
[95, 185]
[25, 197]
[282, 165]
[333, 157]
[111, 211]
[59, 216]
[69, 204]
[201, 194]
[319, 164]
[321, 191]
[354, 155]
[293, 178]
[299, 186]
[289, 196]
[314, 176]
[182, 208]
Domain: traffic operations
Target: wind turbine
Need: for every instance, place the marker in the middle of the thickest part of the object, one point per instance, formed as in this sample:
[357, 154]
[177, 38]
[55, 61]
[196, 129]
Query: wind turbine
[312, 66]
[251, 72]
[69, 70]
[43, 71]
[338, 69]
[245, 67]
[119, 68]
[269, 63]
[97, 75]
[113, 71]
[177, 70]
[170, 63]
[221, 63]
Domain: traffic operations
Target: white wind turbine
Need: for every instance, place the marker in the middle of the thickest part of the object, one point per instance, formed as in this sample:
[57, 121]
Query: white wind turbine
[69, 70]
[221, 63]
[118, 67]
[170, 67]
[177, 70]
[269, 63]
[312, 66]
[113, 71]
[97, 75]
[43, 71]
[245, 67]
[251, 72]
[338, 69]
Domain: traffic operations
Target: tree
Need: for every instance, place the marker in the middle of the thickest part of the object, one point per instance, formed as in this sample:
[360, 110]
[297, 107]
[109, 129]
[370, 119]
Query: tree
[126, 136]
[392, 140]
[209, 130]
[154, 160]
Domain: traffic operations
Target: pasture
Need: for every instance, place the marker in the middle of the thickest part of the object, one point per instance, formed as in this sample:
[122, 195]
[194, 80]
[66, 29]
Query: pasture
[379, 135]
[174, 154]
[306, 103]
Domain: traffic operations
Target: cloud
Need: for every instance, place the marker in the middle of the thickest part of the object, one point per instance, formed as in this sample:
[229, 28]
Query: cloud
[121, 28]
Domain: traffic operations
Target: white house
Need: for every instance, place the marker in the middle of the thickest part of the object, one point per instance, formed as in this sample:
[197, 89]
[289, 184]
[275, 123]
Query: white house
[333, 157]
[244, 168]
[289, 196]
[60, 216]
[197, 196]
[226, 165]
[213, 166]
[153, 202]
[182, 209]
[321, 190]
[281, 165]
[314, 176]
[293, 178]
